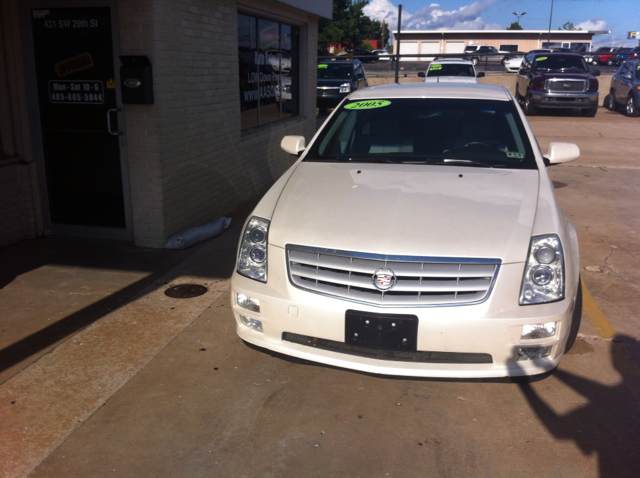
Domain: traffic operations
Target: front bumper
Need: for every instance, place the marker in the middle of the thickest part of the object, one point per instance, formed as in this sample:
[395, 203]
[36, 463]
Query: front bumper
[545, 99]
[329, 98]
[493, 327]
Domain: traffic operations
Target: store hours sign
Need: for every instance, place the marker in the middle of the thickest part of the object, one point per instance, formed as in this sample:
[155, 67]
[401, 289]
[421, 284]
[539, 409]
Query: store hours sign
[76, 92]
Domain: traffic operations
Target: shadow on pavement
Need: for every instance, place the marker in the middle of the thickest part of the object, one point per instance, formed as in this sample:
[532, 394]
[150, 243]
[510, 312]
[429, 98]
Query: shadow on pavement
[21, 258]
[607, 424]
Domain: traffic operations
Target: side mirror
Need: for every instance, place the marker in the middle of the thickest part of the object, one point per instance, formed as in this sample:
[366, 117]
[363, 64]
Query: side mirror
[595, 72]
[293, 144]
[561, 153]
[421, 74]
[522, 71]
[480, 74]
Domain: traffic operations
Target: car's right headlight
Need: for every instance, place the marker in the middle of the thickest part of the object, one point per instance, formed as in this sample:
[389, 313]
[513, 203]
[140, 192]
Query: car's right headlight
[252, 258]
[345, 88]
[543, 279]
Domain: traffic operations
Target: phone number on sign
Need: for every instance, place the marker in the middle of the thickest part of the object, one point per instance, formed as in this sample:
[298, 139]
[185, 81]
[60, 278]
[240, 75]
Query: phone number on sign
[76, 98]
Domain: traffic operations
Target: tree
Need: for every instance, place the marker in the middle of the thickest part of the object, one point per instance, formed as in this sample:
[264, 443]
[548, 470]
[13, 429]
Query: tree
[569, 26]
[349, 26]
[515, 26]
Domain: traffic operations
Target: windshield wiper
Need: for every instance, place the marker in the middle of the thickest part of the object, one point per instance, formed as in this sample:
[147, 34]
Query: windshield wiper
[470, 162]
[366, 159]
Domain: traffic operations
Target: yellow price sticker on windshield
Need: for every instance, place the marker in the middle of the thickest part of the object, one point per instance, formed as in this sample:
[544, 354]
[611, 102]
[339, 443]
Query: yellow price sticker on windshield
[435, 67]
[542, 58]
[323, 66]
[367, 105]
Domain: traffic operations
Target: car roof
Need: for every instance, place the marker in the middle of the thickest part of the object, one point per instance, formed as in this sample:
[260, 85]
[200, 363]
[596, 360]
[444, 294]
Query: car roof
[556, 53]
[341, 62]
[434, 90]
[457, 61]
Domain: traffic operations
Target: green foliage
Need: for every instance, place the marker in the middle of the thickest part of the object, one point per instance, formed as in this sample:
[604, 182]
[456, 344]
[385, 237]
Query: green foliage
[569, 26]
[515, 26]
[349, 27]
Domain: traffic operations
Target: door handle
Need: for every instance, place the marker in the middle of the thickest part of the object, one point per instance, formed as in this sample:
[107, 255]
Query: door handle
[116, 133]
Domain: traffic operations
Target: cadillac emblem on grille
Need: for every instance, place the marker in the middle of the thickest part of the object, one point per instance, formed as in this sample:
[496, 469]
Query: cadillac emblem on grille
[384, 279]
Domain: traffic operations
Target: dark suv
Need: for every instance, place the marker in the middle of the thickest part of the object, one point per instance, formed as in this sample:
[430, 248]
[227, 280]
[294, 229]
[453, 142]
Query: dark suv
[557, 80]
[338, 78]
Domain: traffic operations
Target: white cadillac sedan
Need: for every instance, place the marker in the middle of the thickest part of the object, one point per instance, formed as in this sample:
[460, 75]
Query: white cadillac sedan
[417, 235]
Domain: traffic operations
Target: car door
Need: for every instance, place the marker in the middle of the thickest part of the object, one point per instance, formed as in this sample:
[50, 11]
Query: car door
[623, 83]
[522, 80]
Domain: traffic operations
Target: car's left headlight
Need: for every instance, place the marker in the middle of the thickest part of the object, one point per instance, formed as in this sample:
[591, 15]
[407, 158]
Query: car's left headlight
[345, 88]
[252, 258]
[543, 279]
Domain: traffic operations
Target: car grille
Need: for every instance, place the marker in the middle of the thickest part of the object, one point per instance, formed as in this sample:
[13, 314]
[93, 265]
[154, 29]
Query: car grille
[563, 86]
[420, 281]
[394, 355]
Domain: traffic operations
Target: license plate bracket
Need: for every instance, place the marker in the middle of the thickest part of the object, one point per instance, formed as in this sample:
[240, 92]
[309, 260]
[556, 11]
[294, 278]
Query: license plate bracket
[396, 332]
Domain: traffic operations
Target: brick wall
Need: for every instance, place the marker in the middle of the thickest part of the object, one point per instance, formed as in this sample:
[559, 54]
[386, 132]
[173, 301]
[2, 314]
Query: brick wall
[17, 219]
[189, 163]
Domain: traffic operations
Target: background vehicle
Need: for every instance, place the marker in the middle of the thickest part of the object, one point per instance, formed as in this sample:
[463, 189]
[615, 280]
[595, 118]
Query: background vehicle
[487, 53]
[382, 54]
[625, 89]
[380, 250]
[338, 78]
[622, 55]
[452, 70]
[512, 65]
[367, 56]
[604, 55]
[557, 80]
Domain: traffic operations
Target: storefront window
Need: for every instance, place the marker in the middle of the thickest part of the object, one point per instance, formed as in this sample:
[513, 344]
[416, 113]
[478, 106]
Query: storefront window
[268, 61]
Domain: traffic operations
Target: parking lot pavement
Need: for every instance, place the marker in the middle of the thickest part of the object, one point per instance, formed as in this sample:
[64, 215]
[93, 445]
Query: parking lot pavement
[164, 387]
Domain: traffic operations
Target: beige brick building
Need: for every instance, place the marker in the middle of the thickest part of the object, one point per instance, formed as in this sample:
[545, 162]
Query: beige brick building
[91, 147]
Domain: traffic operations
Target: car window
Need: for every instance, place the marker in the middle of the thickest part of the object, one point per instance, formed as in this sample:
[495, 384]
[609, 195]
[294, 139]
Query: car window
[330, 71]
[426, 131]
[450, 69]
[638, 72]
[559, 63]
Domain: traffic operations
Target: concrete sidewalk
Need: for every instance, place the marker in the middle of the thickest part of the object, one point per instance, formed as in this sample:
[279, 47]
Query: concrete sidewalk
[80, 318]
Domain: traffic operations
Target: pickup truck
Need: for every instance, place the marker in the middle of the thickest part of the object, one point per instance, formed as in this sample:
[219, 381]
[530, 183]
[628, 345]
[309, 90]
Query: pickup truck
[486, 53]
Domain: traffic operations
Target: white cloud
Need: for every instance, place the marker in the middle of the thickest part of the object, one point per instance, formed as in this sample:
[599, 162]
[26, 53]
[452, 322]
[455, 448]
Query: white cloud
[593, 24]
[434, 16]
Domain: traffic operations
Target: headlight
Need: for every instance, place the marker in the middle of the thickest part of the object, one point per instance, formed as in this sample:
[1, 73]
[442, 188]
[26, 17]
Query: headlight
[345, 88]
[543, 279]
[252, 259]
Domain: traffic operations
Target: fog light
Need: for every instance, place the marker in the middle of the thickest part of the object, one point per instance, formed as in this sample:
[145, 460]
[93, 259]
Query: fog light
[533, 353]
[251, 323]
[538, 331]
[248, 303]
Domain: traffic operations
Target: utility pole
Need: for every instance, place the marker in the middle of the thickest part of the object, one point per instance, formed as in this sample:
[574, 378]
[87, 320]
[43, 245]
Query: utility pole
[550, 17]
[397, 40]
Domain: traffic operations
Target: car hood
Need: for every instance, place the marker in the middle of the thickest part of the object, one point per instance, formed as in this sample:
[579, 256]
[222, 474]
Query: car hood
[415, 210]
[450, 79]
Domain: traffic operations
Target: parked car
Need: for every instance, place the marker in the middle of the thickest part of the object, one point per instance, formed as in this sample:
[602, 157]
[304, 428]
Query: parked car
[557, 80]
[417, 234]
[382, 54]
[451, 71]
[634, 53]
[366, 56]
[622, 55]
[338, 78]
[512, 65]
[604, 55]
[625, 89]
[487, 53]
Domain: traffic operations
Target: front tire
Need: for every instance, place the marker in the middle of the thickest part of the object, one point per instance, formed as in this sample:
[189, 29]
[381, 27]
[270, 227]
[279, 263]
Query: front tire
[576, 318]
[631, 108]
[529, 109]
[610, 102]
[591, 112]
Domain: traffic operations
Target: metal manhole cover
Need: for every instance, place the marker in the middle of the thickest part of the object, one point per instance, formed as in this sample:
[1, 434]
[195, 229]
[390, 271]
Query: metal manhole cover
[185, 291]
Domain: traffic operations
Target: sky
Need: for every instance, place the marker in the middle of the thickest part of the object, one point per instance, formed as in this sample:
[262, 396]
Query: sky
[617, 16]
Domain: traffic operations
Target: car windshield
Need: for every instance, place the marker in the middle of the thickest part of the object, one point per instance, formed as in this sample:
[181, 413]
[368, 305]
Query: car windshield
[332, 71]
[450, 69]
[483, 133]
[559, 63]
